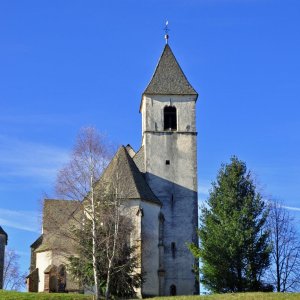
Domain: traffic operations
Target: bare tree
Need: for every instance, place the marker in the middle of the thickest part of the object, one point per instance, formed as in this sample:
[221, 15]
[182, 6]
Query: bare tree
[77, 180]
[103, 233]
[285, 269]
[116, 221]
[113, 237]
[12, 278]
[114, 256]
[111, 221]
[89, 158]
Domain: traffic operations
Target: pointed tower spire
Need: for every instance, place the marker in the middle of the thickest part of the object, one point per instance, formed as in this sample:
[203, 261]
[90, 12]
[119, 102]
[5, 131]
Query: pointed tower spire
[168, 78]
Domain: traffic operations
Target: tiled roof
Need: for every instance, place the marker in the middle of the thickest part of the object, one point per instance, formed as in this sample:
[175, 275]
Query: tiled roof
[168, 78]
[58, 212]
[130, 181]
[58, 218]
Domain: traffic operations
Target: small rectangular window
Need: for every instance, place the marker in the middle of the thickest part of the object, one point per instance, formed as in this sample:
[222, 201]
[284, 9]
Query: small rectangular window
[167, 162]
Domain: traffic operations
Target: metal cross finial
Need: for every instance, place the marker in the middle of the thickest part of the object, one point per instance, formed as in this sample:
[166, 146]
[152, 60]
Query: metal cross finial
[166, 29]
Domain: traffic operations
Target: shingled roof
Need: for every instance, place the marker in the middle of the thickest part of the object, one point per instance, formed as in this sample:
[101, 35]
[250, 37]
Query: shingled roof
[131, 182]
[168, 78]
[58, 218]
[57, 213]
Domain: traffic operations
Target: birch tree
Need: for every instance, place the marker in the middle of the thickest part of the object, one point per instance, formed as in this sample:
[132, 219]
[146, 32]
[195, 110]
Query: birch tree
[115, 255]
[120, 260]
[77, 180]
[105, 259]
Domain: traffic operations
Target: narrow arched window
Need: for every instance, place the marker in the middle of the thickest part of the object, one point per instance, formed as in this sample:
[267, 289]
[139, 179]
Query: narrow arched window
[170, 118]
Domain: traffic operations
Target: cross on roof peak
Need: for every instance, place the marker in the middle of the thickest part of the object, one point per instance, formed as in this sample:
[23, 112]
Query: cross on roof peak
[166, 29]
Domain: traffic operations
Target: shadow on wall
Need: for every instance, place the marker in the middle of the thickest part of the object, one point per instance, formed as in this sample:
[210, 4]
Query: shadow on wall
[180, 213]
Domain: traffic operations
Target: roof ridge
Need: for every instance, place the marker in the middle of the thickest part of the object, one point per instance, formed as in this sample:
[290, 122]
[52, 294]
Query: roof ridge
[51, 199]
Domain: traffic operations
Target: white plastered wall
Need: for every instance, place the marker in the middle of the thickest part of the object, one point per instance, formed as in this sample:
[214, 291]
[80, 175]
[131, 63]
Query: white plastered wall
[43, 260]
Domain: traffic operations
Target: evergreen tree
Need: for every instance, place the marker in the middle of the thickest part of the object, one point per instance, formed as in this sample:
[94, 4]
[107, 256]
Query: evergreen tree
[234, 251]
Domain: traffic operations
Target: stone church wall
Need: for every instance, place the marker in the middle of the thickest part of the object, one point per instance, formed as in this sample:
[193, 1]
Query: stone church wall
[150, 250]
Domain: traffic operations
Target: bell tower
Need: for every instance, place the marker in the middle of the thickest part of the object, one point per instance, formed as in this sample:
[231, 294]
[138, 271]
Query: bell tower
[169, 139]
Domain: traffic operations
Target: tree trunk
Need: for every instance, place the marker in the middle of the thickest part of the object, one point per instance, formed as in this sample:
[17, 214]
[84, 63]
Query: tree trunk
[97, 296]
[113, 251]
[277, 259]
[107, 291]
[239, 285]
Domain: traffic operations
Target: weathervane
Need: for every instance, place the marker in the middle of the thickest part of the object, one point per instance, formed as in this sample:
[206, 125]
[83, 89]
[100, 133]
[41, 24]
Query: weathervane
[166, 29]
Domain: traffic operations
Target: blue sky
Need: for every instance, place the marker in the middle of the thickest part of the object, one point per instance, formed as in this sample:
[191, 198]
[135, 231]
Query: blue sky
[68, 64]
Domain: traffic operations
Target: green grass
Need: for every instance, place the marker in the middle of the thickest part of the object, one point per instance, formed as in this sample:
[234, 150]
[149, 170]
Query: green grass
[239, 296]
[5, 295]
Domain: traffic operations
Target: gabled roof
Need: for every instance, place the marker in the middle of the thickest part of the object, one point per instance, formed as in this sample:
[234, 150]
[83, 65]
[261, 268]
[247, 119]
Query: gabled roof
[130, 181]
[168, 78]
[2, 232]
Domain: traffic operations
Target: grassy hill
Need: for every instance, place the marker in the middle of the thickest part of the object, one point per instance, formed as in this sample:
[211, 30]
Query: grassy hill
[239, 296]
[4, 295]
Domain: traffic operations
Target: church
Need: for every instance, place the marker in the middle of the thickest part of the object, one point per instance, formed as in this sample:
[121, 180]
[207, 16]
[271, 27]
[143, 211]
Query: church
[161, 178]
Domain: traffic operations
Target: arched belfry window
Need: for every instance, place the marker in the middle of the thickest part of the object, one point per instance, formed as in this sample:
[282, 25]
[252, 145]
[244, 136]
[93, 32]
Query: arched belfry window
[170, 118]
